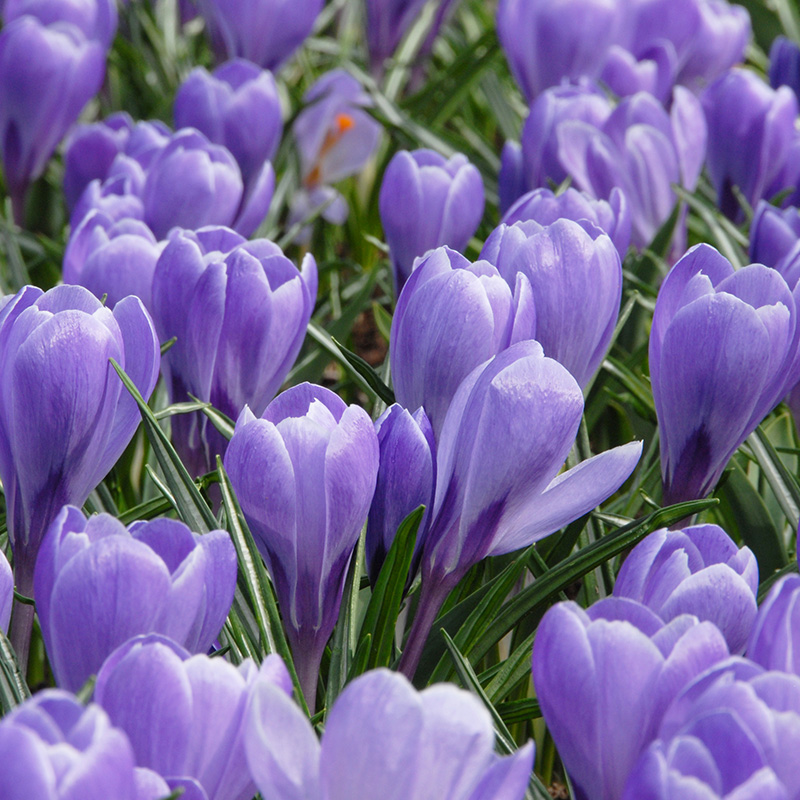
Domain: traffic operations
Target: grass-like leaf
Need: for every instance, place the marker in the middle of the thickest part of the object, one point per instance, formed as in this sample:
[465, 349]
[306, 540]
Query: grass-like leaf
[13, 689]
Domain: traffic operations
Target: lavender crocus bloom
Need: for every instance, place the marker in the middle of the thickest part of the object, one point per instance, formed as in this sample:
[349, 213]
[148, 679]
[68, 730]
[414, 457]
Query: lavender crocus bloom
[775, 240]
[723, 352]
[184, 714]
[426, 201]
[604, 678]
[499, 488]
[406, 479]
[6, 592]
[236, 106]
[546, 42]
[95, 19]
[382, 739]
[750, 133]
[55, 748]
[110, 258]
[576, 280]
[625, 74]
[305, 474]
[613, 216]
[784, 64]
[239, 311]
[698, 571]
[642, 150]
[152, 577]
[725, 736]
[266, 32]
[474, 305]
[774, 638]
[47, 75]
[65, 416]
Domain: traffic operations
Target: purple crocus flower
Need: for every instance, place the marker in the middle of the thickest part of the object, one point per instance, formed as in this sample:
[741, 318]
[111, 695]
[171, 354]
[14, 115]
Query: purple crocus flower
[47, 75]
[642, 150]
[152, 577]
[95, 19]
[698, 571]
[382, 739]
[654, 72]
[499, 488]
[55, 748]
[775, 240]
[474, 305]
[236, 106]
[604, 678]
[426, 201]
[266, 32]
[576, 280]
[774, 638]
[784, 64]
[239, 311]
[110, 258]
[65, 416]
[750, 134]
[184, 714]
[613, 216]
[723, 352]
[305, 474]
[406, 479]
[6, 592]
[725, 736]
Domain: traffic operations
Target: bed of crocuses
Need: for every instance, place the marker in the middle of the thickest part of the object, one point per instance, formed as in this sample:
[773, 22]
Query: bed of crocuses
[397, 399]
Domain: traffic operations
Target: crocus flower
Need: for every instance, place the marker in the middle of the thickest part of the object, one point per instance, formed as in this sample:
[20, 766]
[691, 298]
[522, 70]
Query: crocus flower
[725, 736]
[239, 311]
[110, 258]
[236, 106]
[426, 201]
[642, 150]
[152, 577]
[576, 280]
[305, 474]
[382, 739]
[184, 714]
[750, 133]
[6, 592]
[698, 571]
[613, 216]
[505, 438]
[406, 479]
[604, 678]
[775, 240]
[55, 748]
[774, 638]
[65, 416]
[47, 75]
[95, 19]
[784, 64]
[266, 32]
[473, 306]
[723, 352]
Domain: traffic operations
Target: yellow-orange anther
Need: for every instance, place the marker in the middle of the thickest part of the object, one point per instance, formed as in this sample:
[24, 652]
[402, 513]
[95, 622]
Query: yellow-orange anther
[342, 123]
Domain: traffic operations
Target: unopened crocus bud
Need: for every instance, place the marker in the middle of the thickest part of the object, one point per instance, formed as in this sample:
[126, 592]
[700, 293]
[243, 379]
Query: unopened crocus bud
[576, 280]
[65, 416]
[114, 259]
[750, 133]
[784, 64]
[95, 19]
[775, 637]
[698, 571]
[184, 714]
[376, 730]
[480, 313]
[236, 106]
[723, 352]
[47, 75]
[304, 475]
[55, 748]
[266, 32]
[775, 240]
[604, 678]
[406, 478]
[426, 201]
[6, 592]
[239, 312]
[613, 216]
[152, 577]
